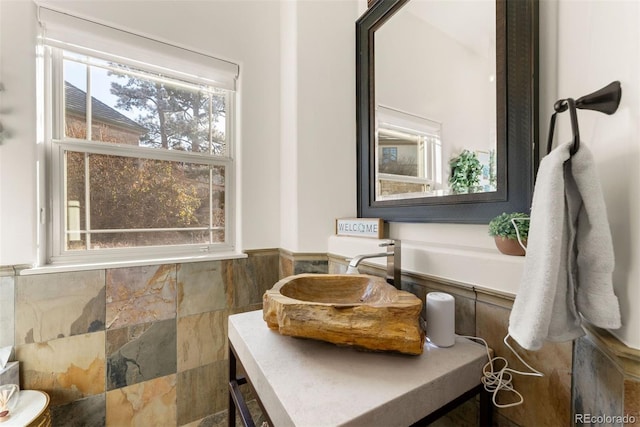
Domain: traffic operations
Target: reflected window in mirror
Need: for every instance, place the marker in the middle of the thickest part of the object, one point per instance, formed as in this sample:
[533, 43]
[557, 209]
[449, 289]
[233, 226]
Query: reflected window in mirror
[409, 155]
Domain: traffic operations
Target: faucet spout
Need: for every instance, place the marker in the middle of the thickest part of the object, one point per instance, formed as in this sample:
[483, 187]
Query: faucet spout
[393, 255]
[356, 260]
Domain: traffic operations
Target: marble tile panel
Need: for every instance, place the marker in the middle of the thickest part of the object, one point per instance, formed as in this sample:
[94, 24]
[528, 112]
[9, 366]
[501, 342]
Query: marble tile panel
[598, 385]
[202, 391]
[150, 403]
[56, 305]
[204, 286]
[138, 295]
[90, 411]
[202, 339]
[68, 369]
[140, 353]
[7, 311]
[253, 276]
[547, 400]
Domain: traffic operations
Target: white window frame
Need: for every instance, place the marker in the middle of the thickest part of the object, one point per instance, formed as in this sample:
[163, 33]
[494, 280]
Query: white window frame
[53, 199]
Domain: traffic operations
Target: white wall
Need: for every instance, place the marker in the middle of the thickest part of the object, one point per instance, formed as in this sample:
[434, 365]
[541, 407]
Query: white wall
[17, 150]
[599, 42]
[318, 145]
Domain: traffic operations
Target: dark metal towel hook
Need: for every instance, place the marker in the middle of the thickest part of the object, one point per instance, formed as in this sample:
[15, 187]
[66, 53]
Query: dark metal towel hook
[605, 100]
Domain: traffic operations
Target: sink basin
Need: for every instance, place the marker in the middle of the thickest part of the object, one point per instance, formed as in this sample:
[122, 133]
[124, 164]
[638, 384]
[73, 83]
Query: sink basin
[346, 309]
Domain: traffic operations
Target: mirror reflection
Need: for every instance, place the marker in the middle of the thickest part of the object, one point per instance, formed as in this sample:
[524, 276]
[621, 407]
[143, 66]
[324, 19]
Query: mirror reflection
[435, 100]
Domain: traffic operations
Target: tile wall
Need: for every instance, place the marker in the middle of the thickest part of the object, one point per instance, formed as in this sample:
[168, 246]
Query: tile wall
[131, 346]
[147, 345]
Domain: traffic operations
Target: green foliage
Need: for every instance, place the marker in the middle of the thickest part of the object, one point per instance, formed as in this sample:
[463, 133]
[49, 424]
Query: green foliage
[503, 226]
[175, 118]
[466, 170]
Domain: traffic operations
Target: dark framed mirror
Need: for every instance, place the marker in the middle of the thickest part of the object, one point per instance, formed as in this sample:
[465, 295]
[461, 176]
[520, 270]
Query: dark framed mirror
[417, 140]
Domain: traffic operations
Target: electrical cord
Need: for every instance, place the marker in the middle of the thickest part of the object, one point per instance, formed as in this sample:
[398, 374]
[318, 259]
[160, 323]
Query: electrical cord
[501, 380]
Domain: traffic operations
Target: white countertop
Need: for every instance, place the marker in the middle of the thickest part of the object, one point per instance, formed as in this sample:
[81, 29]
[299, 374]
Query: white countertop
[309, 383]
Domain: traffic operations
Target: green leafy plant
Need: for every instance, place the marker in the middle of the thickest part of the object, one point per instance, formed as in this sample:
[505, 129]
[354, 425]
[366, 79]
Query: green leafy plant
[466, 170]
[503, 226]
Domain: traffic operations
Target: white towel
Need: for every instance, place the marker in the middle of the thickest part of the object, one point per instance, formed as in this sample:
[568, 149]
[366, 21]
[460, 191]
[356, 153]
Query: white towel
[568, 268]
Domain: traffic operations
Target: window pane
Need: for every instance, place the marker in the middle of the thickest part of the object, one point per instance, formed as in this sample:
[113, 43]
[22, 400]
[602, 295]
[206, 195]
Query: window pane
[75, 98]
[75, 201]
[134, 107]
[142, 202]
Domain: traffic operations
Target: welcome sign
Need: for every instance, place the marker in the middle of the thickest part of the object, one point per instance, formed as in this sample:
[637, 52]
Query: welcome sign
[360, 227]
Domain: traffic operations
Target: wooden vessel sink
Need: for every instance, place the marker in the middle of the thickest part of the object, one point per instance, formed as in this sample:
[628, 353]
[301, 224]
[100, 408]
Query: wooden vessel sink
[346, 309]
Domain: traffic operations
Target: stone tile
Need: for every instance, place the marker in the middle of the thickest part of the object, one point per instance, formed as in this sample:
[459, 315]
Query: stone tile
[140, 353]
[253, 276]
[138, 295]
[598, 384]
[69, 368]
[202, 339]
[632, 401]
[90, 411]
[202, 391]
[547, 400]
[56, 305]
[285, 267]
[220, 419]
[150, 403]
[7, 311]
[204, 286]
[310, 266]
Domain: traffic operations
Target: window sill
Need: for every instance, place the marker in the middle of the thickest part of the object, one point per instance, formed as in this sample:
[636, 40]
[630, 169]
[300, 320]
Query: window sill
[63, 268]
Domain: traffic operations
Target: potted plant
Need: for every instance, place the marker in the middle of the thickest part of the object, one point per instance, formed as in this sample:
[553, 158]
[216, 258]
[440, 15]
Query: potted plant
[465, 172]
[505, 235]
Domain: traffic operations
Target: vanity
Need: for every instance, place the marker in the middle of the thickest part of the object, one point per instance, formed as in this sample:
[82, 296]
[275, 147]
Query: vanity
[309, 383]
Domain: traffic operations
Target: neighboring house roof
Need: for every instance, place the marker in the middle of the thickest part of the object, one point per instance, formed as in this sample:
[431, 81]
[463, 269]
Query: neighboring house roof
[76, 103]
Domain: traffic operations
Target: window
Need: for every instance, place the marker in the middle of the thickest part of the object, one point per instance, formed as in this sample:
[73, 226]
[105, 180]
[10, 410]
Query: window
[409, 155]
[140, 155]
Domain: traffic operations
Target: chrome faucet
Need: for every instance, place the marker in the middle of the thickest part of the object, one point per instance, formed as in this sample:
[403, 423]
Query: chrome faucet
[393, 255]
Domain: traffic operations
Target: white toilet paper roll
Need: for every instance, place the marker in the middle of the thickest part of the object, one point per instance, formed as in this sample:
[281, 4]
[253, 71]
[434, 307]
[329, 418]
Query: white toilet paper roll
[441, 319]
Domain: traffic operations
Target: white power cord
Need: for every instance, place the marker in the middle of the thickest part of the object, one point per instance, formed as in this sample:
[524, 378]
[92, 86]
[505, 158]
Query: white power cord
[501, 380]
[515, 225]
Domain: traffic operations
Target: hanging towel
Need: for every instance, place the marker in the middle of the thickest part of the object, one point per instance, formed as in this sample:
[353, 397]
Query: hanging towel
[569, 264]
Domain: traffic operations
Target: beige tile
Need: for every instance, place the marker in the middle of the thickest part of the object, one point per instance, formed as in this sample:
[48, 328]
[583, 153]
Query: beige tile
[50, 306]
[547, 400]
[68, 368]
[151, 403]
[202, 339]
[140, 294]
[632, 402]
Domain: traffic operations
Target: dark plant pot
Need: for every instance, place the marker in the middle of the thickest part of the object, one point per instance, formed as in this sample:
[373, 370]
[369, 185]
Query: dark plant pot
[510, 246]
